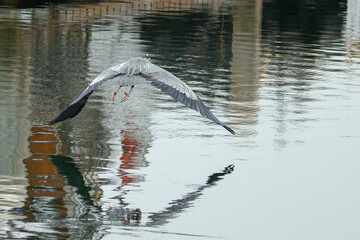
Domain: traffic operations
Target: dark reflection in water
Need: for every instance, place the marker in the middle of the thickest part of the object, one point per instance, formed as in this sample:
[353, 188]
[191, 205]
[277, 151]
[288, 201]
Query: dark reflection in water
[198, 28]
[68, 168]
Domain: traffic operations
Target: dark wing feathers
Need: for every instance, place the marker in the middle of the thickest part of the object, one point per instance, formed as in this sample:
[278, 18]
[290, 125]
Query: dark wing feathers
[195, 104]
[72, 110]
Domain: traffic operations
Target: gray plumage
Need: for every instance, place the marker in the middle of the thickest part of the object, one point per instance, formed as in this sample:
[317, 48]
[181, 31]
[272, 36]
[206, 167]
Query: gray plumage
[137, 71]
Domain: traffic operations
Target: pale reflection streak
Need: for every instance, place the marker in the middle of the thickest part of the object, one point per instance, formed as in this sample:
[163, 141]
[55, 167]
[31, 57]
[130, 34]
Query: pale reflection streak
[292, 53]
[352, 30]
[15, 84]
[245, 62]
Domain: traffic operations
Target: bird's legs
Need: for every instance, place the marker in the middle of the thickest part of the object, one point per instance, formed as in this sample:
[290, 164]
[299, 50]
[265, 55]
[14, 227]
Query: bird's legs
[114, 94]
[127, 94]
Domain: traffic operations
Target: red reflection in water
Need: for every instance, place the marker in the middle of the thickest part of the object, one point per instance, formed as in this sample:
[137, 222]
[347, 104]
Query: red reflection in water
[130, 157]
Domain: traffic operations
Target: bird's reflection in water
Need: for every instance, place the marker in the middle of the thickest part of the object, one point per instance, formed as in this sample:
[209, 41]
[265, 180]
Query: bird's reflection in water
[126, 216]
[76, 207]
[67, 167]
[179, 205]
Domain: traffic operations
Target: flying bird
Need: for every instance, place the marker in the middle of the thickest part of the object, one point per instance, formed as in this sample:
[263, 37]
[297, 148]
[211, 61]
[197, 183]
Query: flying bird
[140, 70]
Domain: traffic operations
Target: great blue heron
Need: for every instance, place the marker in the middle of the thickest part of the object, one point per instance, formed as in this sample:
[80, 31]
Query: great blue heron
[136, 71]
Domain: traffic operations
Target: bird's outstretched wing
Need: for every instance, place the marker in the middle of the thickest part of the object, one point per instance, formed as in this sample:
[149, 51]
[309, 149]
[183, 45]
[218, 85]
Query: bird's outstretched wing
[77, 105]
[124, 74]
[170, 84]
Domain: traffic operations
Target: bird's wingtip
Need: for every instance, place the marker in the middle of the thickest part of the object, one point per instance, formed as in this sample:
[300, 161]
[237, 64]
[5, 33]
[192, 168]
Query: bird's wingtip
[72, 110]
[229, 129]
[52, 122]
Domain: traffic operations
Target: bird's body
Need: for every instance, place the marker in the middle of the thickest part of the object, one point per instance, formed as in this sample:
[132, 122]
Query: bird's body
[137, 71]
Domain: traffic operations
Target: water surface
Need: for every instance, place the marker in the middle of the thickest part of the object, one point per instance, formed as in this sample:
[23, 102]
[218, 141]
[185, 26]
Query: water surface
[284, 77]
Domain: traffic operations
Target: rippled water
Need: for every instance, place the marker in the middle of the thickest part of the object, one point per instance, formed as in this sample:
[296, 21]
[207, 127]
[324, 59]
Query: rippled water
[285, 77]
